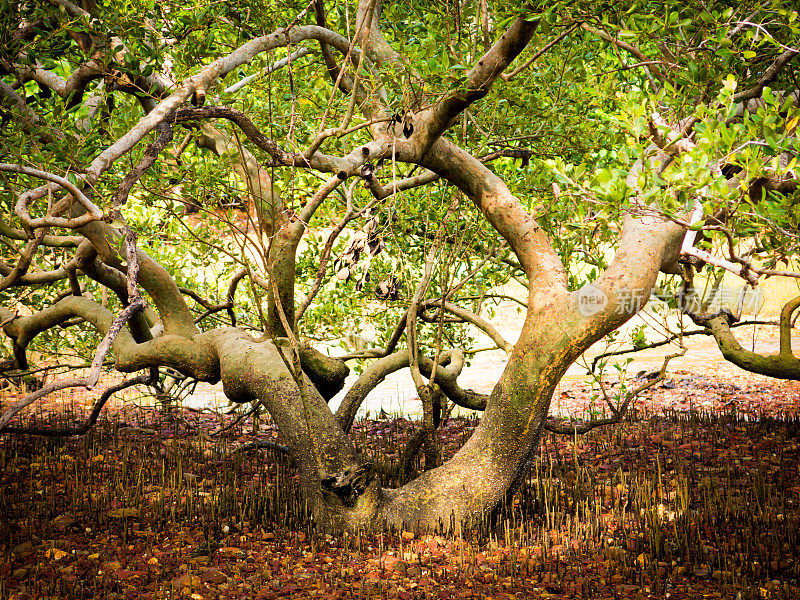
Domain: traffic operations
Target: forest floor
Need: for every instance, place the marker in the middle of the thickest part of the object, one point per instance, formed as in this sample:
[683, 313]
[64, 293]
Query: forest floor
[696, 496]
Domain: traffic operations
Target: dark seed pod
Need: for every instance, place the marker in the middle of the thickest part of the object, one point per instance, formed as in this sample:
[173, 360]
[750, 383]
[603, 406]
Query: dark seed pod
[408, 124]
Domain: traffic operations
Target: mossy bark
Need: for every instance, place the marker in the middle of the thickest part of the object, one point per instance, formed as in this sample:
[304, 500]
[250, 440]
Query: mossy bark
[256, 368]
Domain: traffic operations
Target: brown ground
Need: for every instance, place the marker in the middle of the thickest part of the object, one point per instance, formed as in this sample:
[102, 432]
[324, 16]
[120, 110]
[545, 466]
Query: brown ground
[694, 499]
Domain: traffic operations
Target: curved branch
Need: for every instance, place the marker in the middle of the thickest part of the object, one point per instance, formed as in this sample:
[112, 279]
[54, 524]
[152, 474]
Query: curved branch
[344, 166]
[540, 52]
[146, 379]
[476, 320]
[617, 413]
[190, 356]
[54, 241]
[380, 192]
[93, 213]
[786, 326]
[87, 260]
[626, 285]
[74, 85]
[446, 379]
[25, 258]
[38, 278]
[92, 378]
[175, 314]
[430, 125]
[668, 340]
[783, 365]
[198, 85]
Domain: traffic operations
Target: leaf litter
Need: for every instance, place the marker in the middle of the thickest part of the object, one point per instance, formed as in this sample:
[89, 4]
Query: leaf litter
[696, 496]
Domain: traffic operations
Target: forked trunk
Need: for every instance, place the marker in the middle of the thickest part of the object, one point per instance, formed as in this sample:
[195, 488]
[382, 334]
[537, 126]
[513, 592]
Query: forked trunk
[497, 455]
[342, 489]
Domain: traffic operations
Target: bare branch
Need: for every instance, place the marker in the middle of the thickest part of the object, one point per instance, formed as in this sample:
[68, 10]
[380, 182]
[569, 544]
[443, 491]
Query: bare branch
[476, 320]
[540, 52]
[617, 413]
[93, 213]
[278, 64]
[145, 379]
[279, 156]
[55, 241]
[668, 340]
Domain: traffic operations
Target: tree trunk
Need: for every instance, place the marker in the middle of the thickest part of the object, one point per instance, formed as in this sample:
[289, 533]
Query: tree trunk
[282, 265]
[340, 489]
[500, 450]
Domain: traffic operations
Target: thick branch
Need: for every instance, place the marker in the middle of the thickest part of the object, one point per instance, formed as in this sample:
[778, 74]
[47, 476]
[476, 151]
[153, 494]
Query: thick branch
[446, 379]
[786, 326]
[769, 75]
[93, 213]
[783, 365]
[198, 85]
[74, 85]
[430, 125]
[114, 329]
[539, 53]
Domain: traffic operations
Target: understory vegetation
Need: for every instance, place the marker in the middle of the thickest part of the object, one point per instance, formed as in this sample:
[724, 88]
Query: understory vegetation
[148, 505]
[296, 199]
